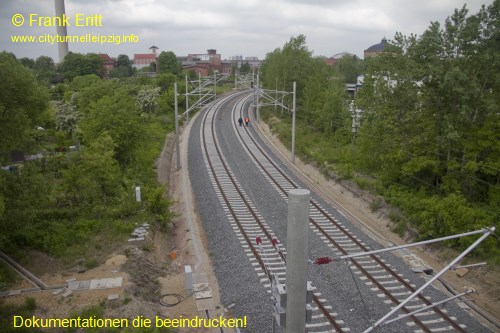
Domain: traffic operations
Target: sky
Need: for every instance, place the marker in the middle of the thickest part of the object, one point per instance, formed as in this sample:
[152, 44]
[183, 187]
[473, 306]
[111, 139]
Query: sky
[248, 28]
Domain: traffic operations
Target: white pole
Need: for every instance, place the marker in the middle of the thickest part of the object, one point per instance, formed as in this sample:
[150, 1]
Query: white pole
[293, 122]
[215, 85]
[187, 98]
[176, 115]
[297, 259]
[253, 86]
[257, 114]
[487, 232]
[429, 306]
[394, 248]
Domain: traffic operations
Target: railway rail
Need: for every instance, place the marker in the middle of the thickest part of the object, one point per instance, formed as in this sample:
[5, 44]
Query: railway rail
[248, 224]
[384, 281]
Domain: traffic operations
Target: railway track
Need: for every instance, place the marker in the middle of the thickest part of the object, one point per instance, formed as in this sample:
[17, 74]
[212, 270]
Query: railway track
[381, 278]
[249, 225]
[382, 283]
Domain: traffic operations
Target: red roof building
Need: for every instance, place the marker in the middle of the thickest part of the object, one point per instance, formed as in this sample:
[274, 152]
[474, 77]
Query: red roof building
[145, 59]
[108, 62]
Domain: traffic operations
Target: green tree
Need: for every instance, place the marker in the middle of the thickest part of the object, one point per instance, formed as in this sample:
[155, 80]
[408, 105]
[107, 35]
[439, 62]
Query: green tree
[66, 116]
[430, 114]
[87, 90]
[23, 196]
[22, 102]
[288, 64]
[81, 82]
[116, 115]
[168, 63]
[123, 67]
[44, 69]
[320, 97]
[350, 67]
[76, 64]
[245, 68]
[94, 176]
[27, 62]
[147, 99]
[165, 81]
[124, 61]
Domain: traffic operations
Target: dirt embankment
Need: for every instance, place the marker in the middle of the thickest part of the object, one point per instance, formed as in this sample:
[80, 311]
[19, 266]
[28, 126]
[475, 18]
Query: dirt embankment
[152, 275]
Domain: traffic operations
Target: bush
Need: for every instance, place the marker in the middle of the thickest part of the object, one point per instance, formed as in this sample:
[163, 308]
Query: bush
[8, 311]
[91, 263]
[7, 276]
[376, 204]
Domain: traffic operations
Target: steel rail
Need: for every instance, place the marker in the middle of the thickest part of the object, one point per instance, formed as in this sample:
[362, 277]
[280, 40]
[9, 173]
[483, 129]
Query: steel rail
[268, 235]
[401, 280]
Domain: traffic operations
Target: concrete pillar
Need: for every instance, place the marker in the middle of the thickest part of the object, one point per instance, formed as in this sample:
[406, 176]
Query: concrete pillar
[188, 278]
[138, 193]
[296, 259]
[61, 30]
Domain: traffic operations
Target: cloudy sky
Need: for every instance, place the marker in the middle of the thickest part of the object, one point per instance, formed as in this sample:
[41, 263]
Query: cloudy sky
[232, 27]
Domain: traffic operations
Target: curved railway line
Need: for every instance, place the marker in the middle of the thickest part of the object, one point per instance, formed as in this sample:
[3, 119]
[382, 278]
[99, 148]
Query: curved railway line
[384, 281]
[249, 224]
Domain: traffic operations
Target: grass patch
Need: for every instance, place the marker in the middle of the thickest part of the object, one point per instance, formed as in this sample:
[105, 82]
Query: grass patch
[8, 311]
[400, 228]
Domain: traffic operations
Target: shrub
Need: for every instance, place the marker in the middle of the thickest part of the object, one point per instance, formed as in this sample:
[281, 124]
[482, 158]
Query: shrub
[376, 204]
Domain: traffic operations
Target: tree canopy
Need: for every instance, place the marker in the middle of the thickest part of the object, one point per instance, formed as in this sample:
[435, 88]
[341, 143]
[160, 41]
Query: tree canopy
[168, 63]
[428, 138]
[76, 64]
[44, 69]
[93, 150]
[123, 67]
[22, 102]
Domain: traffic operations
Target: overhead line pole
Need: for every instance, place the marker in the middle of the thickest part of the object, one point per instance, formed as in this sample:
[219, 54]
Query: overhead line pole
[293, 122]
[187, 97]
[257, 114]
[215, 85]
[176, 115]
[265, 95]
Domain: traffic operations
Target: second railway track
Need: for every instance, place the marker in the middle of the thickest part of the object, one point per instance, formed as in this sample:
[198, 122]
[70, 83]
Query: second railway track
[387, 285]
[249, 224]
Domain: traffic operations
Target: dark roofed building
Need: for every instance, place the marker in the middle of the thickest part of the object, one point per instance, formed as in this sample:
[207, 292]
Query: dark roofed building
[376, 49]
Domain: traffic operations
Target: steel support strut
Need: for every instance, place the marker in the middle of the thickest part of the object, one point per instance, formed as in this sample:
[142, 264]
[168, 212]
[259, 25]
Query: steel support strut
[486, 233]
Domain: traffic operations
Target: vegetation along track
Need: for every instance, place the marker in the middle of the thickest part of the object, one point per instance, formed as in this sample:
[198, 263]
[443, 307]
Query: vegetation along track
[372, 269]
[249, 225]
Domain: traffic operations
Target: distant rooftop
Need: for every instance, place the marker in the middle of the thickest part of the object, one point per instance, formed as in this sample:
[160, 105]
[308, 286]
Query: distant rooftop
[377, 47]
[340, 55]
